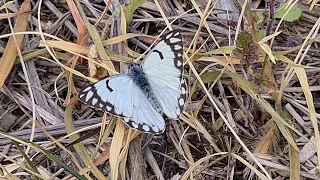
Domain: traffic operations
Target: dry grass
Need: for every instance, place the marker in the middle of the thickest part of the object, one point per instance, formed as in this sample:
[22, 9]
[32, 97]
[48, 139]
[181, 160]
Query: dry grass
[252, 110]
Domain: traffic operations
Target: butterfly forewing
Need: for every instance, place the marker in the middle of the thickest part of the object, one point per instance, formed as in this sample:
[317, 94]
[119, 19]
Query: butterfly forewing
[108, 94]
[120, 96]
[163, 67]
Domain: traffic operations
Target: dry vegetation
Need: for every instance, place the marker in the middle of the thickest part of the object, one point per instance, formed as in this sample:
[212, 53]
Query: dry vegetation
[253, 77]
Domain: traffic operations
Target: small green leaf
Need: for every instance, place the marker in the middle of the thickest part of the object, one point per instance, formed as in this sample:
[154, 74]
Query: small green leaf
[259, 17]
[6, 5]
[206, 78]
[267, 38]
[293, 15]
[221, 50]
[266, 48]
[134, 4]
[210, 76]
[288, 61]
[262, 33]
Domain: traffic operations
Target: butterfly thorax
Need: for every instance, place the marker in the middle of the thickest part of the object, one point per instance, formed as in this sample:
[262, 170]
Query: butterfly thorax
[139, 78]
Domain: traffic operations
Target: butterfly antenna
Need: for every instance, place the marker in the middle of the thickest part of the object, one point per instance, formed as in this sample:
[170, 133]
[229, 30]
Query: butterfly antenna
[136, 49]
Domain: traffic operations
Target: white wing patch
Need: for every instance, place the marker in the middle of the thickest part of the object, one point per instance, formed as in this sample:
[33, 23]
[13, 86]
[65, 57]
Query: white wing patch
[120, 96]
[174, 40]
[163, 67]
[177, 47]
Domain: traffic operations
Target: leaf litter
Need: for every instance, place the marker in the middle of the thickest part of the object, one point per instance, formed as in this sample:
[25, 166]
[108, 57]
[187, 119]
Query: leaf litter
[253, 78]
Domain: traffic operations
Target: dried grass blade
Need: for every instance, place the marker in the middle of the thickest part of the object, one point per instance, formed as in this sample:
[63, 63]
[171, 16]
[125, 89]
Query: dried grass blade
[6, 5]
[82, 32]
[255, 170]
[43, 151]
[96, 39]
[302, 76]
[115, 149]
[11, 51]
[105, 155]
[80, 148]
[269, 139]
[194, 123]
[192, 68]
[81, 27]
[101, 51]
[123, 163]
[104, 133]
[282, 124]
[188, 173]
[29, 163]
[124, 153]
[163, 15]
[153, 163]
[119, 39]
[8, 15]
[267, 50]
[294, 163]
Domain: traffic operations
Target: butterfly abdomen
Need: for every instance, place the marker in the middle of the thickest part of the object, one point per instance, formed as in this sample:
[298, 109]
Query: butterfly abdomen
[142, 82]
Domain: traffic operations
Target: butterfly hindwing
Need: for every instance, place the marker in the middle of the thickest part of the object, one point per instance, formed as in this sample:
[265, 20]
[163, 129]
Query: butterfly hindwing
[144, 118]
[163, 67]
[120, 96]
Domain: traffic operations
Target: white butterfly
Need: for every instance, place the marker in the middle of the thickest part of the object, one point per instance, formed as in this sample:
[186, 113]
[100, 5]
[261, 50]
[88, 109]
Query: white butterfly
[141, 96]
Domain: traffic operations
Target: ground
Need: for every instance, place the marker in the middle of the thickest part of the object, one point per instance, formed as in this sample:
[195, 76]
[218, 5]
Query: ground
[252, 76]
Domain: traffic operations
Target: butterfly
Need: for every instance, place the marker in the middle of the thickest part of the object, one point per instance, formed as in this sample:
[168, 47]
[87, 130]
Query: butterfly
[147, 91]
